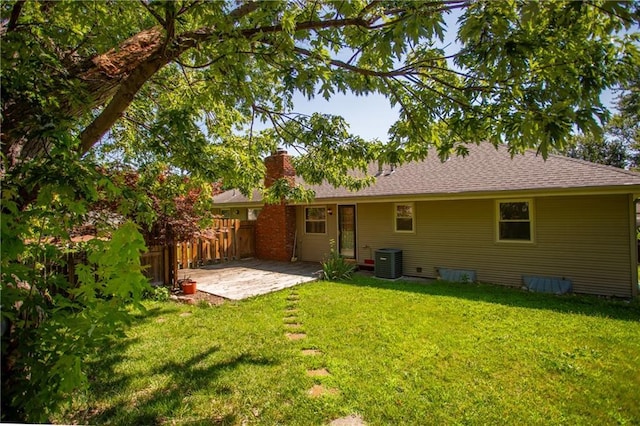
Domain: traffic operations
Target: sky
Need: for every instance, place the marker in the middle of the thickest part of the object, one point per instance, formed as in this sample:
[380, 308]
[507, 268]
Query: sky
[368, 117]
[371, 117]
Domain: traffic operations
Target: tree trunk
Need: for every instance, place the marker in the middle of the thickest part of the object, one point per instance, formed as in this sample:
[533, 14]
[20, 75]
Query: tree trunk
[24, 123]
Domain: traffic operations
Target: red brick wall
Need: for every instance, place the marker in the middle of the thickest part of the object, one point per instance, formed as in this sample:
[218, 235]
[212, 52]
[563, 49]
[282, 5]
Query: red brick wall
[278, 166]
[276, 224]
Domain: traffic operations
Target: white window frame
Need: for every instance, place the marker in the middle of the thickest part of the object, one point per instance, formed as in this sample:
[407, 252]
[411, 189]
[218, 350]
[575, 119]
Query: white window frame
[306, 209]
[413, 218]
[531, 221]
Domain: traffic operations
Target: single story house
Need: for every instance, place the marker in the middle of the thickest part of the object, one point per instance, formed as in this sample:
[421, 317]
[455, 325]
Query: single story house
[512, 221]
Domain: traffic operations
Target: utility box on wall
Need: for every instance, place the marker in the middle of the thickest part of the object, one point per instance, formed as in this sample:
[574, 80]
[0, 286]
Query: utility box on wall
[388, 263]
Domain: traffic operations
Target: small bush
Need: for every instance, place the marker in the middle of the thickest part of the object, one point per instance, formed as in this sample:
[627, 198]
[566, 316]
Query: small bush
[160, 294]
[335, 267]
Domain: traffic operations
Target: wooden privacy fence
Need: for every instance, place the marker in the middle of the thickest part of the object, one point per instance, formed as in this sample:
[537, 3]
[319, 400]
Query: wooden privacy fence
[154, 262]
[230, 239]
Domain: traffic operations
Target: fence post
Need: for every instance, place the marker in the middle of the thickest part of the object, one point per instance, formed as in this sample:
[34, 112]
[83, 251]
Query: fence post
[236, 249]
[184, 255]
[221, 243]
[174, 283]
[166, 266]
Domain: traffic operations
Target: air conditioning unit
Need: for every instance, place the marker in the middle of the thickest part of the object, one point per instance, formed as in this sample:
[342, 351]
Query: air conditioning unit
[388, 263]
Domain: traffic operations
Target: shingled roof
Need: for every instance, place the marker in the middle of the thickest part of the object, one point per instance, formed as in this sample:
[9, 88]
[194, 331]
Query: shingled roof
[485, 170]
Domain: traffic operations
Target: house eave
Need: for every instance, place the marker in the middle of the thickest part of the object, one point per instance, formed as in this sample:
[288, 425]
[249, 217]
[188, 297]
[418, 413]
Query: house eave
[231, 204]
[534, 192]
[467, 195]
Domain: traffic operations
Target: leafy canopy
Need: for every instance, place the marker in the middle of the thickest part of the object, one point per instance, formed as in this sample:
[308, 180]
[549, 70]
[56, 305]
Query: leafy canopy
[619, 144]
[186, 82]
[189, 85]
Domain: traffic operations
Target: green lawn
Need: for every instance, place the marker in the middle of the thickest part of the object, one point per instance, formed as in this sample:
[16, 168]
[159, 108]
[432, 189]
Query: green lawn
[397, 353]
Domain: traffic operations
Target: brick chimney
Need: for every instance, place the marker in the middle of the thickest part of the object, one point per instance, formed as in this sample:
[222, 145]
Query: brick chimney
[276, 224]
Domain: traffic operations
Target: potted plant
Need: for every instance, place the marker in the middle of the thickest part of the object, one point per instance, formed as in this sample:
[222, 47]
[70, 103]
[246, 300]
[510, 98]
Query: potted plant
[187, 285]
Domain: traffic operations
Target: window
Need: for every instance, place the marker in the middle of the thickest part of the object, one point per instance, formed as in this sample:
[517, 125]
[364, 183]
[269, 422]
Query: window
[315, 220]
[225, 213]
[404, 215]
[515, 220]
[252, 214]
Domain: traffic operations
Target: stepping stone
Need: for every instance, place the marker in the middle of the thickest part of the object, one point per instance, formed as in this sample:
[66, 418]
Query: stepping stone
[290, 319]
[295, 336]
[161, 319]
[320, 372]
[352, 420]
[293, 325]
[291, 311]
[311, 352]
[318, 390]
[185, 314]
[189, 300]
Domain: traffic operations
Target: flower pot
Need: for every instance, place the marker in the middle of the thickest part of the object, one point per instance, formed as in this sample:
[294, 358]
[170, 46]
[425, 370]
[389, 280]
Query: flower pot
[189, 287]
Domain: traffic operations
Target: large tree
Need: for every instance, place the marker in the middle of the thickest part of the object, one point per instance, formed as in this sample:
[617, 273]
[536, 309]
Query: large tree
[183, 78]
[184, 84]
[619, 144]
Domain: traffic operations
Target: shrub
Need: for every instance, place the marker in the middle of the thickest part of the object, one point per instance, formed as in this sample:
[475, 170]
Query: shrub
[335, 267]
[160, 294]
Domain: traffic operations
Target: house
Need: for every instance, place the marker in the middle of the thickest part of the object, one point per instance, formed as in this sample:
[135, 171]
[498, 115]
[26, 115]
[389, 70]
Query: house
[511, 221]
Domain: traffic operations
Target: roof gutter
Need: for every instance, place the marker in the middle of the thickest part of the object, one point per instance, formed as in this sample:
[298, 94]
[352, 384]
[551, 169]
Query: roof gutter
[551, 192]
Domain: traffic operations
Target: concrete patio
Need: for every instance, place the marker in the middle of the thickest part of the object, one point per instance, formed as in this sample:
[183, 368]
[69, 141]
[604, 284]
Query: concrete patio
[240, 279]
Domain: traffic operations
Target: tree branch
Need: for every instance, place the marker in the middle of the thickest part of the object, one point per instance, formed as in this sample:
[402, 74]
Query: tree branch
[186, 7]
[196, 67]
[628, 20]
[407, 111]
[15, 15]
[139, 123]
[368, 7]
[358, 70]
[154, 13]
[134, 81]
[244, 10]
[119, 103]
[157, 57]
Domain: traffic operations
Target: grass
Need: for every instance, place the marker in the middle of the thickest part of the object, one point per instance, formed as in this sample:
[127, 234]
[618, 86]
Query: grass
[397, 353]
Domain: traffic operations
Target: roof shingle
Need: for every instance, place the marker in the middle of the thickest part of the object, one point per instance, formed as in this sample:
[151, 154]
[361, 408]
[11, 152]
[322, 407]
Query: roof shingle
[485, 169]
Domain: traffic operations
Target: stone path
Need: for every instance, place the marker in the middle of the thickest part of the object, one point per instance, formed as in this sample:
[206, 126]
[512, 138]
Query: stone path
[295, 336]
[291, 322]
[319, 390]
[351, 420]
[319, 372]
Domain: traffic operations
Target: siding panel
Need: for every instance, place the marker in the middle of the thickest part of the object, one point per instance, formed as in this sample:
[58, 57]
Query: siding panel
[582, 238]
[315, 247]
